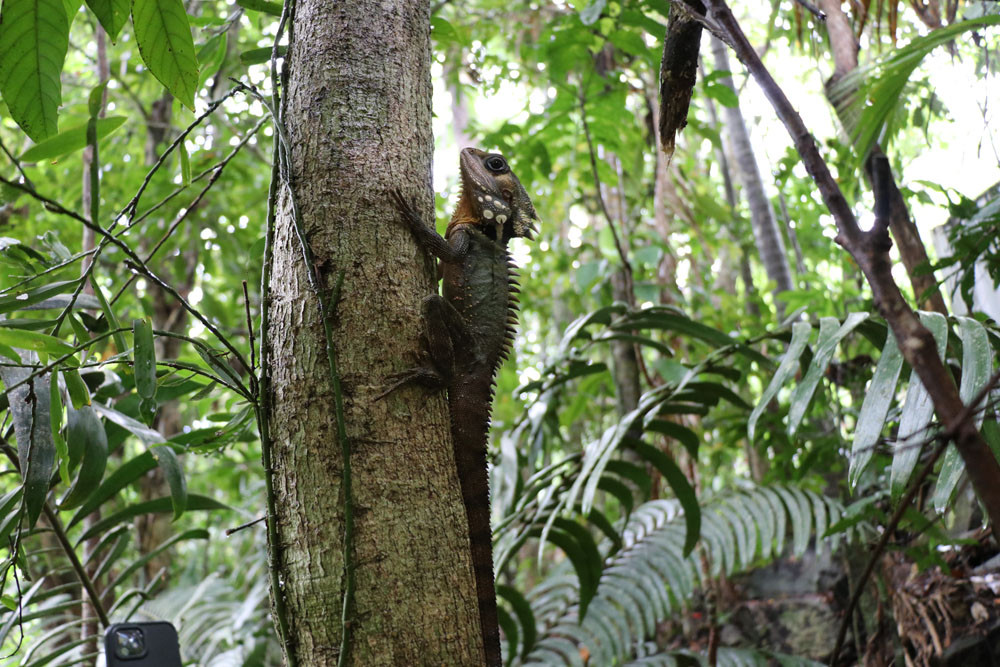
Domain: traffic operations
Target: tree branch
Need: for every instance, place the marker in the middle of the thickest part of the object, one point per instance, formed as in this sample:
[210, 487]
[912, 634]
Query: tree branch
[871, 252]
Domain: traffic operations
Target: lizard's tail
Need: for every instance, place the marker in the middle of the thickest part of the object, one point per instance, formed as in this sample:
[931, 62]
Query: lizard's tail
[470, 460]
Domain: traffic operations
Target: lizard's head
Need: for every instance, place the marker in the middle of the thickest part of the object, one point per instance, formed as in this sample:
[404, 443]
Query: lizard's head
[496, 198]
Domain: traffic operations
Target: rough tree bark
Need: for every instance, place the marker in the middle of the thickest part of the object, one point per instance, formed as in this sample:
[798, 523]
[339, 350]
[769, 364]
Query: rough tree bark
[766, 234]
[358, 116]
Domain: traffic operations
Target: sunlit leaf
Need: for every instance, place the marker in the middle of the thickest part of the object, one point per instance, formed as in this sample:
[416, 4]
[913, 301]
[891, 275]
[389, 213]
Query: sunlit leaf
[917, 413]
[112, 14]
[164, 37]
[33, 45]
[71, 139]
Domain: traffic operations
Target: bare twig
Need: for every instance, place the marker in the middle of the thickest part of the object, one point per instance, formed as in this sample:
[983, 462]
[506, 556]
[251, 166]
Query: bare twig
[812, 9]
[244, 526]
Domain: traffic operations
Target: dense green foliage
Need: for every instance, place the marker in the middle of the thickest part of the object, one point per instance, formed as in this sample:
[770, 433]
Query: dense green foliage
[130, 375]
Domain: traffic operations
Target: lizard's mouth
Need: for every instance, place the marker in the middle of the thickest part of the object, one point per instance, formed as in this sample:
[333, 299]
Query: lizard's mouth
[496, 230]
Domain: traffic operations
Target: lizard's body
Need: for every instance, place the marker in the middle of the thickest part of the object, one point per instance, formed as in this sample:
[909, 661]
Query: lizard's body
[469, 332]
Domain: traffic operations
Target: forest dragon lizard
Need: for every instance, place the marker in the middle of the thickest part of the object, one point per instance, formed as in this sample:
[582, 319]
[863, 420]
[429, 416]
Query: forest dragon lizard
[468, 333]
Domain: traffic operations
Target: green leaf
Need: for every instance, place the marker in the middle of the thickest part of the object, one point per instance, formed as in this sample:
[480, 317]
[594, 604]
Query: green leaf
[29, 406]
[133, 566]
[722, 94]
[261, 55]
[127, 473]
[878, 398]
[185, 160]
[272, 8]
[655, 319]
[157, 506]
[85, 434]
[79, 395]
[21, 300]
[525, 617]
[592, 12]
[147, 435]
[589, 558]
[145, 358]
[171, 467]
[211, 55]
[112, 14]
[789, 362]
[164, 37]
[977, 367]
[70, 140]
[32, 340]
[682, 489]
[109, 315]
[33, 42]
[826, 345]
[874, 105]
[917, 413]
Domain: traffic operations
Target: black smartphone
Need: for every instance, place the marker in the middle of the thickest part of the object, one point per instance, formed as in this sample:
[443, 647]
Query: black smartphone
[142, 645]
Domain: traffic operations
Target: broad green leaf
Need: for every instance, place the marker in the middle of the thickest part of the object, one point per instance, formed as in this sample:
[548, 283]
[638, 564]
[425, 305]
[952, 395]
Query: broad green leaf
[33, 42]
[21, 300]
[917, 413]
[71, 139]
[95, 101]
[874, 409]
[29, 406]
[85, 435]
[157, 506]
[145, 358]
[789, 362]
[79, 395]
[126, 473]
[171, 467]
[722, 94]
[147, 435]
[112, 14]
[164, 37]
[977, 367]
[826, 345]
[33, 340]
[272, 8]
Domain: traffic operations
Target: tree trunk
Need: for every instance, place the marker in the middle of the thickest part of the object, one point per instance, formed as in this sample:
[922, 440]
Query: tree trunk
[765, 229]
[358, 115]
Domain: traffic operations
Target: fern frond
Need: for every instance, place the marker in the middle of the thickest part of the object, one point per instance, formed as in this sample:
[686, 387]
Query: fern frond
[650, 577]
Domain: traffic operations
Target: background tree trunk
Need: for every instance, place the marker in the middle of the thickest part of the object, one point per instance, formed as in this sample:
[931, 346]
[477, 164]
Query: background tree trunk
[765, 229]
[358, 114]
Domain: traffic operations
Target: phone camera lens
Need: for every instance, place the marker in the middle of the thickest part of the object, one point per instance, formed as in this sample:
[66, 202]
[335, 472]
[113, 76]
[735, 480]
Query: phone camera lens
[130, 643]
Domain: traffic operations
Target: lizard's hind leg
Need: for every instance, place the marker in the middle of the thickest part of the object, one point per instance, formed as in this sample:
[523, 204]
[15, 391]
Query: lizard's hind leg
[442, 326]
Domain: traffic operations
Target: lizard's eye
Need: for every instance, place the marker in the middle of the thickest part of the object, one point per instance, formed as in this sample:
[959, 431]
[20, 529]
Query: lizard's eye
[496, 164]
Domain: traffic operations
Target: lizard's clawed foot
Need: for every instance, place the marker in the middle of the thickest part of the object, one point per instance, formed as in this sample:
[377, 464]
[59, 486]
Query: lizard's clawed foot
[423, 375]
